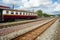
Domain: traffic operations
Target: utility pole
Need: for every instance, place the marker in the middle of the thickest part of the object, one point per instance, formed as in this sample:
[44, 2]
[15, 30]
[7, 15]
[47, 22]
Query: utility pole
[13, 6]
[33, 10]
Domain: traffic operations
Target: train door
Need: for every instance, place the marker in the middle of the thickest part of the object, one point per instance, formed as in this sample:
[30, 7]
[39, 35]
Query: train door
[1, 15]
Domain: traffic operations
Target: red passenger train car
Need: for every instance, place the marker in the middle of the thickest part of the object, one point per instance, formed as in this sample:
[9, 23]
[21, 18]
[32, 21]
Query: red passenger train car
[7, 14]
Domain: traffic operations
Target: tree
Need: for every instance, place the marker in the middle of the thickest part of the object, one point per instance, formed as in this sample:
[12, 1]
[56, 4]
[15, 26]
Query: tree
[39, 13]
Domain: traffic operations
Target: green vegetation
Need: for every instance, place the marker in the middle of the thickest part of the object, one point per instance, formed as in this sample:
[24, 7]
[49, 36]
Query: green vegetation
[46, 15]
[59, 15]
[41, 14]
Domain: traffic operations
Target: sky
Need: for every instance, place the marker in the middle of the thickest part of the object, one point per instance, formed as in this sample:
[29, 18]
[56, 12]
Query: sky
[47, 6]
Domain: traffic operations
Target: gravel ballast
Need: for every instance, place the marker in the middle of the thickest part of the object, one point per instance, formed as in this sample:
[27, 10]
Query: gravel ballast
[51, 33]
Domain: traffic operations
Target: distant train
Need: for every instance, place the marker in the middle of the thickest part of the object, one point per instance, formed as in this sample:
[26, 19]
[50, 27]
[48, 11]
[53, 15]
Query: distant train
[7, 14]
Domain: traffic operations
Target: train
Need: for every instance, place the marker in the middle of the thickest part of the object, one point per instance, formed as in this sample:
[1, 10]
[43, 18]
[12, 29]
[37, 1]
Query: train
[7, 14]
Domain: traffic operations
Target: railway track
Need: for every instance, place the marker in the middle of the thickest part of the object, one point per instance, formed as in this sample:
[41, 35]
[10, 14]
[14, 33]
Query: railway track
[15, 28]
[25, 29]
[32, 35]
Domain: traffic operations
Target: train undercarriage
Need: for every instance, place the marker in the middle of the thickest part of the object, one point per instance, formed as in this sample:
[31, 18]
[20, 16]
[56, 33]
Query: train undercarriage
[13, 18]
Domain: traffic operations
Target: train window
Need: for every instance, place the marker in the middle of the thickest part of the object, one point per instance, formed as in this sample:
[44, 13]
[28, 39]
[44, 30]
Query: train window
[12, 13]
[20, 13]
[16, 12]
[26, 13]
[7, 12]
[32, 13]
[23, 13]
[29, 13]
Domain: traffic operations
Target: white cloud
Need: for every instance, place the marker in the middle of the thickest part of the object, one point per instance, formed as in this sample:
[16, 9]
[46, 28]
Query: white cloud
[57, 8]
[24, 1]
[28, 4]
[35, 3]
[15, 2]
[45, 5]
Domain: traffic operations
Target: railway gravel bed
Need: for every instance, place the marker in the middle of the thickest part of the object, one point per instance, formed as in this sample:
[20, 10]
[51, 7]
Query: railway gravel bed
[52, 33]
[8, 30]
[9, 24]
[31, 35]
[57, 33]
[12, 32]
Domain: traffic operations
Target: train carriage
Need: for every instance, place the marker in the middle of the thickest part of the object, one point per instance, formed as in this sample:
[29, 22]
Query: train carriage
[9, 14]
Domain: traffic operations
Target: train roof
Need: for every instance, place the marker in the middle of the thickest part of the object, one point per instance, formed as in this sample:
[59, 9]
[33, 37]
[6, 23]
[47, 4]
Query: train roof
[4, 7]
[17, 10]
